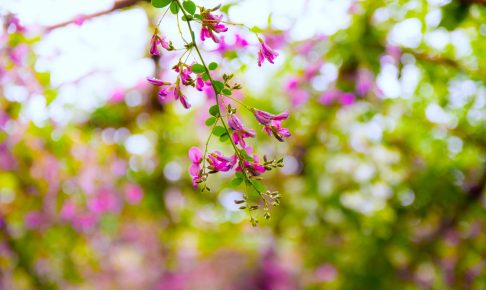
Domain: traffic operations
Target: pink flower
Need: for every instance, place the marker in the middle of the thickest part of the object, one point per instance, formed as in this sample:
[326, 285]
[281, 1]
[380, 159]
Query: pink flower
[196, 157]
[365, 82]
[254, 166]
[156, 82]
[239, 131]
[117, 95]
[218, 162]
[266, 52]
[133, 193]
[68, 211]
[266, 118]
[239, 43]
[275, 129]
[211, 24]
[200, 83]
[181, 97]
[299, 97]
[329, 96]
[163, 94]
[347, 99]
[104, 202]
[159, 83]
[155, 42]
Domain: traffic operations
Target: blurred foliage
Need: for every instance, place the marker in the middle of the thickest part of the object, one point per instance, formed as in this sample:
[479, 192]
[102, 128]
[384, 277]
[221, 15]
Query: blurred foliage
[383, 185]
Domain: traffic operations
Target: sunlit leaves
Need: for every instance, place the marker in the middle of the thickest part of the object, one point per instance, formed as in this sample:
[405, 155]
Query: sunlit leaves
[213, 66]
[189, 6]
[174, 7]
[160, 3]
[198, 68]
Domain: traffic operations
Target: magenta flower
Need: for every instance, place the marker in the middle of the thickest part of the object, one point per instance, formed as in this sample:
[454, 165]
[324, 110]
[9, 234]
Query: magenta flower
[163, 93]
[266, 118]
[211, 24]
[159, 83]
[181, 97]
[200, 84]
[331, 96]
[196, 157]
[275, 129]
[347, 99]
[365, 82]
[266, 52]
[239, 131]
[155, 42]
[156, 82]
[133, 193]
[254, 167]
[218, 162]
[240, 41]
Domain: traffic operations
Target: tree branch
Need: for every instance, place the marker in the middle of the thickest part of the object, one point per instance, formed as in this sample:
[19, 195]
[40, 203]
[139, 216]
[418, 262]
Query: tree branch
[120, 4]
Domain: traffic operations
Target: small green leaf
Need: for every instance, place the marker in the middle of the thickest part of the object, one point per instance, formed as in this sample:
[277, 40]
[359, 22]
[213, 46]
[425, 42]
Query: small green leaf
[259, 185]
[210, 121]
[240, 175]
[189, 6]
[256, 29]
[198, 16]
[224, 137]
[218, 86]
[174, 8]
[213, 66]
[236, 182]
[226, 92]
[205, 77]
[160, 3]
[214, 110]
[198, 68]
[219, 131]
[184, 18]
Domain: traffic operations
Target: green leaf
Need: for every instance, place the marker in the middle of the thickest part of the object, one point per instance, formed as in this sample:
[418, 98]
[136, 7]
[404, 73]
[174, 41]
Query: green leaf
[205, 77]
[189, 6]
[240, 175]
[256, 29]
[160, 3]
[226, 92]
[198, 16]
[185, 18]
[237, 181]
[198, 68]
[219, 131]
[218, 86]
[259, 185]
[213, 66]
[224, 137]
[210, 121]
[214, 110]
[174, 8]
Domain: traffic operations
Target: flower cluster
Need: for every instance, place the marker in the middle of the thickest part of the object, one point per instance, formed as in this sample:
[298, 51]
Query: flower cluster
[224, 121]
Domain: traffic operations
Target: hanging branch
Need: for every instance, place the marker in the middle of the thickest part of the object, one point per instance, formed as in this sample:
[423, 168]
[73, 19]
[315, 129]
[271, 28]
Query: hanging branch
[116, 6]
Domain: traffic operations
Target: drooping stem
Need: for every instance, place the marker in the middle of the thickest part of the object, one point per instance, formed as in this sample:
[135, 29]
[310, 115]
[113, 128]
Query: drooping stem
[217, 95]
